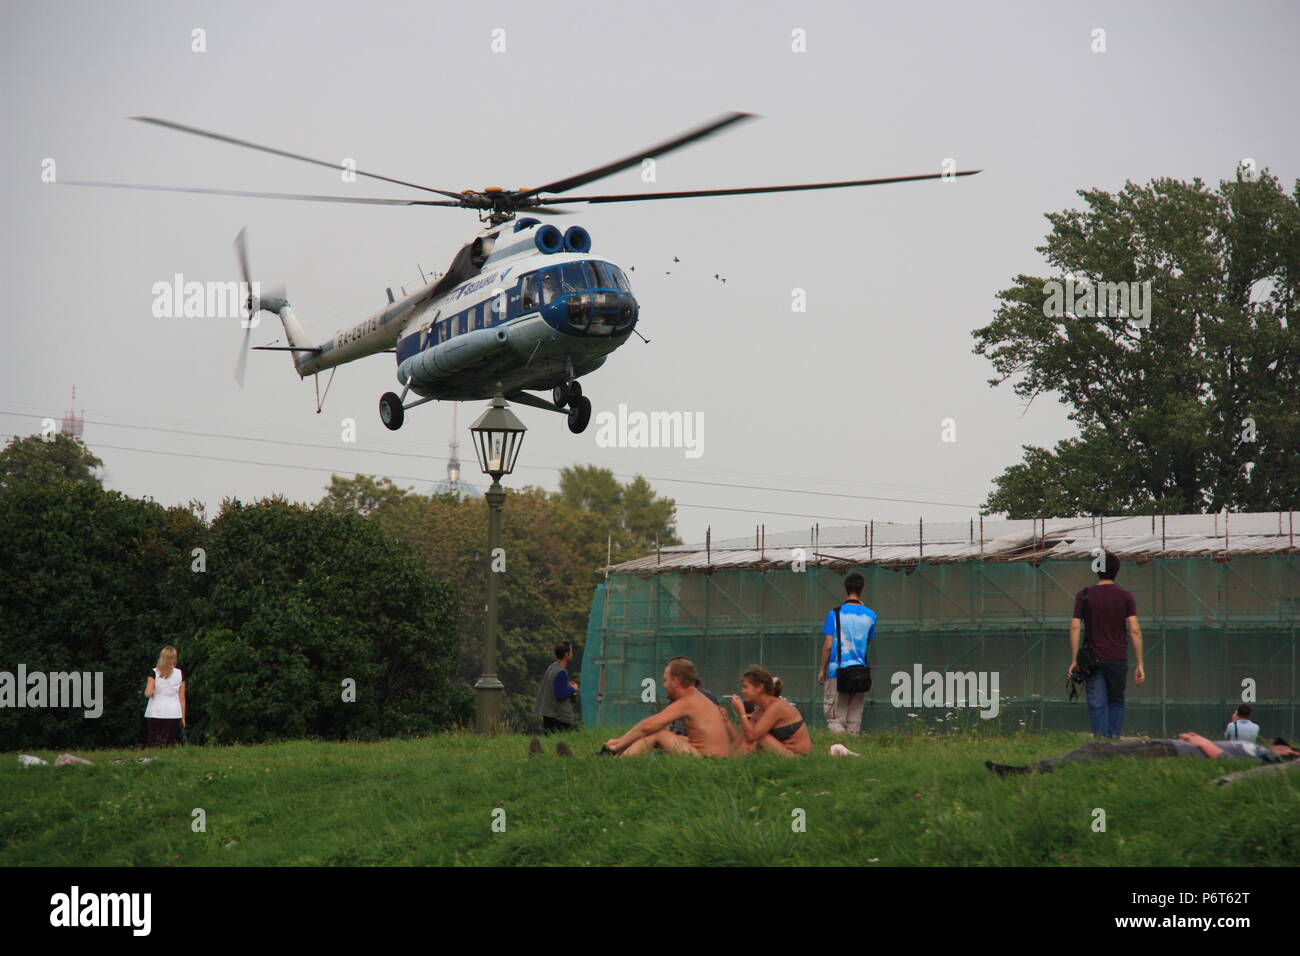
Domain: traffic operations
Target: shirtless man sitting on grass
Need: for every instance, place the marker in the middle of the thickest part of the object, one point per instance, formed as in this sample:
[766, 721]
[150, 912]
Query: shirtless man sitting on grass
[706, 731]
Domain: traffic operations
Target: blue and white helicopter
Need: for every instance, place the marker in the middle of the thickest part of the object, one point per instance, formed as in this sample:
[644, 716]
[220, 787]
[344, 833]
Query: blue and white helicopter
[522, 308]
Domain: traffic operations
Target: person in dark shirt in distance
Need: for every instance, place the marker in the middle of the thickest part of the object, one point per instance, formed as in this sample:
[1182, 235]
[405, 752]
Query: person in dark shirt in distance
[1112, 622]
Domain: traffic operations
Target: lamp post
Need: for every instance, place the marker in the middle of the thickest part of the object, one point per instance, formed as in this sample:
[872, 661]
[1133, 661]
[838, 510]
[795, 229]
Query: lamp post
[497, 437]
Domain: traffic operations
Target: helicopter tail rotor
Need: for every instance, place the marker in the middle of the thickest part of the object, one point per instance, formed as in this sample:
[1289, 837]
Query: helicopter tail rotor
[273, 300]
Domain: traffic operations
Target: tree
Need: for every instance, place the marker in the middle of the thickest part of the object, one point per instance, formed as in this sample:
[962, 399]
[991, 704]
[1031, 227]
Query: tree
[554, 546]
[361, 494]
[1198, 410]
[39, 459]
[631, 517]
[296, 604]
[91, 581]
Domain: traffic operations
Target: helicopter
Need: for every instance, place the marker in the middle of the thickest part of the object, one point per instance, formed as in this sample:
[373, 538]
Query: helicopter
[523, 308]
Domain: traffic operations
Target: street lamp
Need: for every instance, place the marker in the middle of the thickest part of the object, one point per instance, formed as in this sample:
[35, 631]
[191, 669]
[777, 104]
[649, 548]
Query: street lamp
[497, 437]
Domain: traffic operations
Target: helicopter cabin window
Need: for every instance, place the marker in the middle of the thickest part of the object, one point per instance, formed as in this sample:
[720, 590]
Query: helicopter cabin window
[474, 314]
[528, 299]
[460, 323]
[444, 330]
[550, 285]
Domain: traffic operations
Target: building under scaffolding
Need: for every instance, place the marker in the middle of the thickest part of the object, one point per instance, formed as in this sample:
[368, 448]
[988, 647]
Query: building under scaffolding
[1216, 595]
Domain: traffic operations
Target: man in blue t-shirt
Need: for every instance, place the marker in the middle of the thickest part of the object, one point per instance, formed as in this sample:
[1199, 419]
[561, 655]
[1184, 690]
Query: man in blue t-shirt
[857, 628]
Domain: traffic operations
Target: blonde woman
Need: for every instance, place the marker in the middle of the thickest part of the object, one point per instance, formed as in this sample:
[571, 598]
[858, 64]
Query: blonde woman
[166, 692]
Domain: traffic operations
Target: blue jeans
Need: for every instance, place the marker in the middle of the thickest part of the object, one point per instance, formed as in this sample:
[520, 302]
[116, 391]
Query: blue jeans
[1105, 690]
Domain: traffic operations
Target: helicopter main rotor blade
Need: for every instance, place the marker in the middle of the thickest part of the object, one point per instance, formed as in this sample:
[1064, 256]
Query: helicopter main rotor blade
[256, 195]
[748, 190]
[572, 182]
[241, 254]
[168, 124]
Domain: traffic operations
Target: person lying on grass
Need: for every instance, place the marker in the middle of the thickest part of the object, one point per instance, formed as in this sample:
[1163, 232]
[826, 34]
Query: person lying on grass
[1186, 745]
[1257, 773]
[706, 730]
[775, 725]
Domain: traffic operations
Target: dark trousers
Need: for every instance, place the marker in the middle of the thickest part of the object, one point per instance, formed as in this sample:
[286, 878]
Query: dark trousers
[1105, 692]
[1108, 749]
[551, 725]
[164, 731]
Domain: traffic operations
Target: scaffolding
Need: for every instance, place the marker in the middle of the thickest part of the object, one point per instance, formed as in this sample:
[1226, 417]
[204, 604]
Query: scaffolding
[1217, 606]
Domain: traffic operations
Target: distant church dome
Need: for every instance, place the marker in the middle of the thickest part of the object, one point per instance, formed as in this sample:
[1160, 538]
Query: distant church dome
[453, 484]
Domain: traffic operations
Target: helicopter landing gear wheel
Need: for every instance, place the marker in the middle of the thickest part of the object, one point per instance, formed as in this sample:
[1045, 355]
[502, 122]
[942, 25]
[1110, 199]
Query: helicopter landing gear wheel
[391, 412]
[566, 394]
[579, 415]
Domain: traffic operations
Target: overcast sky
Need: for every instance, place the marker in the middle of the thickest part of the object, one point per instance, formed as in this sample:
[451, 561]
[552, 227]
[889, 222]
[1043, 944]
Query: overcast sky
[832, 409]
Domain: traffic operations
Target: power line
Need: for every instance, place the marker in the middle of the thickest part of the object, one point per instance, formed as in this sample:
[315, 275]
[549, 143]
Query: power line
[715, 471]
[346, 471]
[398, 454]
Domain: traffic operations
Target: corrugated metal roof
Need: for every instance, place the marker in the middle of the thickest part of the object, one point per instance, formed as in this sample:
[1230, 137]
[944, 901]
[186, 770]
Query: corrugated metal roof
[1252, 533]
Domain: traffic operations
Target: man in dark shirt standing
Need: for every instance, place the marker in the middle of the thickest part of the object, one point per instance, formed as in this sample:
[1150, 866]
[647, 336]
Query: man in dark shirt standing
[1112, 620]
[556, 697]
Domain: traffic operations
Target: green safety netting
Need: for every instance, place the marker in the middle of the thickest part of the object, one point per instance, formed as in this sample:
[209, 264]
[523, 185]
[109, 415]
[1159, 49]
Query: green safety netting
[1209, 626]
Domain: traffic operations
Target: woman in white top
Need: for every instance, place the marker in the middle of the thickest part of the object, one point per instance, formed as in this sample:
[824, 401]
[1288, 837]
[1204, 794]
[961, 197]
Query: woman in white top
[166, 693]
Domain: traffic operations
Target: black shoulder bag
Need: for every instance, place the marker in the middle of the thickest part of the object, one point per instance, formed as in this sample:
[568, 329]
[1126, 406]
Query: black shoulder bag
[1086, 659]
[855, 679]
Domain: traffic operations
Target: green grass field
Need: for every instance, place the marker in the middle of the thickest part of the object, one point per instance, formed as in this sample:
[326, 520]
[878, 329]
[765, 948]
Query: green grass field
[909, 800]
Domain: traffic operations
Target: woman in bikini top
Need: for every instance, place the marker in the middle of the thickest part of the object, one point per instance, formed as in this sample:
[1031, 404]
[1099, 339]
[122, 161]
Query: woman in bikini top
[775, 725]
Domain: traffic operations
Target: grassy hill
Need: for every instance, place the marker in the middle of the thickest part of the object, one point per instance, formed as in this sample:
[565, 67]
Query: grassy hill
[909, 800]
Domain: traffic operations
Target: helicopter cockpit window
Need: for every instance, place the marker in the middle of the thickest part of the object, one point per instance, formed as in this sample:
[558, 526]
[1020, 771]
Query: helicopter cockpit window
[574, 277]
[609, 276]
[550, 285]
[528, 293]
[620, 280]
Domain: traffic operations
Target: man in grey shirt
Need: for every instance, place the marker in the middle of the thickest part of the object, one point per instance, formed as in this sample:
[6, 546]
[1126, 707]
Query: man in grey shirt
[1185, 745]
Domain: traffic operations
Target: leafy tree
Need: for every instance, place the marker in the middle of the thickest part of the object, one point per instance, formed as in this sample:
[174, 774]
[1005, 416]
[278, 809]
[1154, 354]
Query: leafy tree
[361, 494]
[90, 581]
[555, 547]
[630, 516]
[297, 601]
[58, 458]
[1200, 409]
